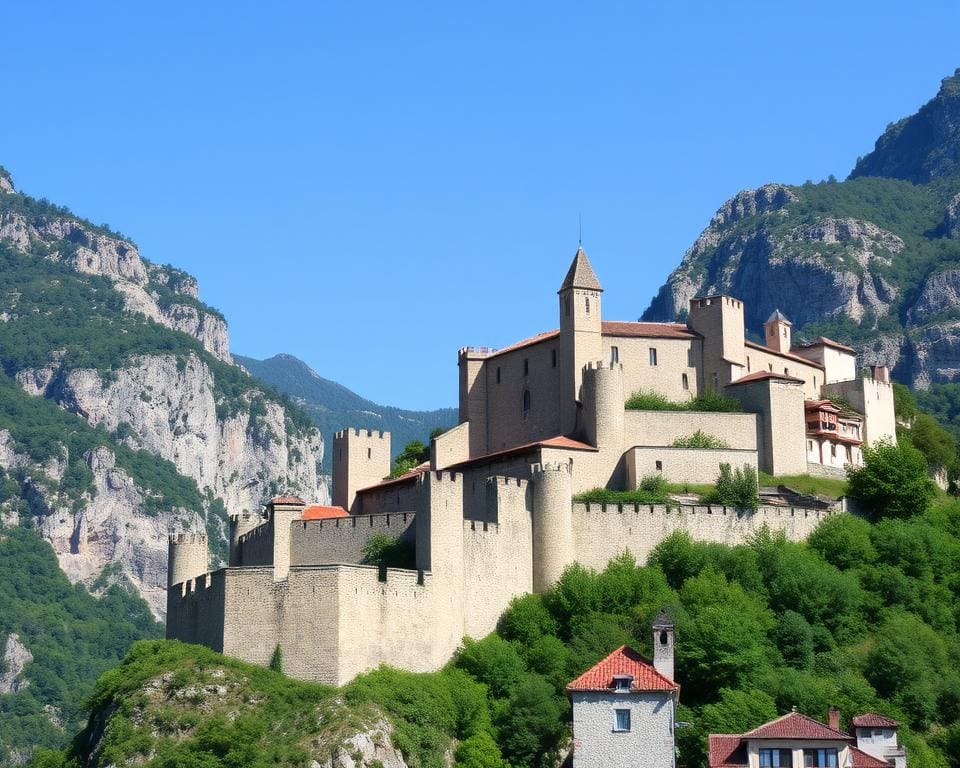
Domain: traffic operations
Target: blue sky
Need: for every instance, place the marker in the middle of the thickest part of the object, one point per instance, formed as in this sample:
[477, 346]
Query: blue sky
[371, 186]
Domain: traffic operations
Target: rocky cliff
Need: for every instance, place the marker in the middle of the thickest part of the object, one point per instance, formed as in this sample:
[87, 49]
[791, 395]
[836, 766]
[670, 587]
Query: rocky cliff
[873, 261]
[178, 435]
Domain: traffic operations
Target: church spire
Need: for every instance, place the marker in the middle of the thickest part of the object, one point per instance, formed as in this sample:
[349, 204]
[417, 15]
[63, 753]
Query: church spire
[580, 274]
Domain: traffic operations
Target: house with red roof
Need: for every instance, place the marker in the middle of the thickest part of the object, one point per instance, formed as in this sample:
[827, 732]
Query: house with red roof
[796, 740]
[624, 707]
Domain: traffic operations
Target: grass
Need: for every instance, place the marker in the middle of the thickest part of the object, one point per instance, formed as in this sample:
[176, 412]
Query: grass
[653, 490]
[817, 486]
[648, 400]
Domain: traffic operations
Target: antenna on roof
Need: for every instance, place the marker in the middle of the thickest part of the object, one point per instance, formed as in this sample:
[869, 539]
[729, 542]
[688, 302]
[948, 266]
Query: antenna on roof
[579, 230]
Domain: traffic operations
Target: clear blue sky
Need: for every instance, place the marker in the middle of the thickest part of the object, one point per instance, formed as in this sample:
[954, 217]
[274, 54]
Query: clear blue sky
[370, 186]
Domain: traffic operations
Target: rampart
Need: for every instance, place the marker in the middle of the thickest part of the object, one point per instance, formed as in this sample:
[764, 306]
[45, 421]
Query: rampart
[603, 531]
[342, 539]
[684, 465]
[738, 430]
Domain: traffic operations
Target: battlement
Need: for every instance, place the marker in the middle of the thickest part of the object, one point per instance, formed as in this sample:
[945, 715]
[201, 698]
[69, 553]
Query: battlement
[375, 520]
[188, 538]
[516, 482]
[442, 476]
[700, 302]
[476, 352]
[679, 510]
[372, 434]
[551, 466]
[602, 365]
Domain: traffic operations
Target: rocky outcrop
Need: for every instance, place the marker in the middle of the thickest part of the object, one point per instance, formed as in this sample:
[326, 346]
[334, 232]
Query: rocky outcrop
[169, 407]
[15, 659]
[951, 223]
[6, 182]
[751, 202]
[370, 747]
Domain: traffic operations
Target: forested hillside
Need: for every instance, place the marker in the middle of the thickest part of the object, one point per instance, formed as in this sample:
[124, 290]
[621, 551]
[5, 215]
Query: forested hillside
[333, 407]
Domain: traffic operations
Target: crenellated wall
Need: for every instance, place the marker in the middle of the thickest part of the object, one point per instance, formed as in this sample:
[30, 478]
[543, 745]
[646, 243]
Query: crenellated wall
[342, 539]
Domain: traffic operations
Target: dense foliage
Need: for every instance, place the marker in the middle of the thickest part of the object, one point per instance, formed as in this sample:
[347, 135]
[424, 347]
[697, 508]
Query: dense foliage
[73, 636]
[736, 488]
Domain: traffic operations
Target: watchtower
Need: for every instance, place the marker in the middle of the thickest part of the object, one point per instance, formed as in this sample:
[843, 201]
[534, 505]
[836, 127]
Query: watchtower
[719, 320]
[361, 458]
[188, 556]
[282, 511]
[240, 524]
[580, 333]
[552, 523]
[776, 332]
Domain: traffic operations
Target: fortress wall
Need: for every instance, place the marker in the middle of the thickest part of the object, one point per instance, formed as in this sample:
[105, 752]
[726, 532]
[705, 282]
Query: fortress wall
[506, 424]
[675, 357]
[341, 539]
[739, 430]
[396, 497]
[256, 546]
[684, 465]
[497, 556]
[195, 610]
[394, 621]
[452, 447]
[603, 531]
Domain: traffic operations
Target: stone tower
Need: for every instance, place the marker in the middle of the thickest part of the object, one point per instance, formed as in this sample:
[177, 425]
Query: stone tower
[188, 557]
[552, 524]
[580, 333]
[719, 319]
[663, 644]
[361, 458]
[240, 523]
[776, 332]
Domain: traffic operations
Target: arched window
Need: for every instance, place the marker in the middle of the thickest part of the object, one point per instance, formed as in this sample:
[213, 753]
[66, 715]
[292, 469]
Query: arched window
[526, 402]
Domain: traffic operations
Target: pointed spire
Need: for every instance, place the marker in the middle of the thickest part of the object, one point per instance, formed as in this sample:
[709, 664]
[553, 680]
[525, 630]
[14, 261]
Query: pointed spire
[581, 274]
[778, 316]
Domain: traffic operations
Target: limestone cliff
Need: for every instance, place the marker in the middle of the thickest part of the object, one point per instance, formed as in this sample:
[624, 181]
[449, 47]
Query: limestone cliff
[91, 328]
[873, 261]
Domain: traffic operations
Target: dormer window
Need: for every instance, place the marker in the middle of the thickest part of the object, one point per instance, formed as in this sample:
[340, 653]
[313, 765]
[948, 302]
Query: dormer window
[622, 683]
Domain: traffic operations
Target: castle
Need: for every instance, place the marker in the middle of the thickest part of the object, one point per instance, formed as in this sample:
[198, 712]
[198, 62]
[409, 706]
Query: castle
[493, 514]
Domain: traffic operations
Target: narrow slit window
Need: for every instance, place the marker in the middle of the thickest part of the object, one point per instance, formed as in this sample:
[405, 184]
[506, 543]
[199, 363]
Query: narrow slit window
[553, 359]
[526, 402]
[526, 366]
[653, 355]
[685, 382]
[614, 355]
[588, 305]
[498, 374]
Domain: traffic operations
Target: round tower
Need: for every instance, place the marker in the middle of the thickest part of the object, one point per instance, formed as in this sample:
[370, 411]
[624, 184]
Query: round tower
[187, 557]
[552, 524]
[603, 406]
[239, 525]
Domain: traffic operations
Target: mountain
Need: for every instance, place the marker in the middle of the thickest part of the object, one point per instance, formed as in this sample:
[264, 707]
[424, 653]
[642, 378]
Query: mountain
[873, 261]
[122, 418]
[333, 407]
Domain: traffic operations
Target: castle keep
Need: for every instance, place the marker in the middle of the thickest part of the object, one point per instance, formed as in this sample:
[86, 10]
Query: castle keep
[492, 514]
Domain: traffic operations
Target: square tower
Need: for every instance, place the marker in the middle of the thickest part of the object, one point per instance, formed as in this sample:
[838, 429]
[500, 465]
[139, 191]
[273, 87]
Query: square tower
[361, 458]
[581, 340]
[719, 319]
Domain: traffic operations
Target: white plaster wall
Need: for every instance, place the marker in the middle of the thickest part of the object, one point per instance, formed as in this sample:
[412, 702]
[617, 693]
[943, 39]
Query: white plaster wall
[648, 744]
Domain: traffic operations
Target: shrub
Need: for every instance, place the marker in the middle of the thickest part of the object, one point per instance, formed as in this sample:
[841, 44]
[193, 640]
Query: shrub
[276, 661]
[736, 488]
[700, 439]
[653, 490]
[387, 552]
[893, 480]
[648, 400]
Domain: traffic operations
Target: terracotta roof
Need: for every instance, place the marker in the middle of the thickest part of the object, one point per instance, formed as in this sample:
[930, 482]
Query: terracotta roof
[862, 760]
[320, 512]
[794, 725]
[551, 442]
[787, 355]
[823, 341]
[287, 500]
[647, 330]
[873, 720]
[763, 376]
[726, 751]
[821, 405]
[545, 336]
[581, 274]
[623, 661]
[406, 477]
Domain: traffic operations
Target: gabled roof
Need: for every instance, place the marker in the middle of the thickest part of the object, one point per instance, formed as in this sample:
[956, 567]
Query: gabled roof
[787, 355]
[795, 725]
[873, 720]
[862, 760]
[778, 317]
[647, 330]
[726, 750]
[287, 500]
[321, 512]
[823, 341]
[581, 274]
[623, 661]
[764, 376]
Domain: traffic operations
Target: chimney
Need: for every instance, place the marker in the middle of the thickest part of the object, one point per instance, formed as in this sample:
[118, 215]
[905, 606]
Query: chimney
[880, 373]
[663, 644]
[833, 718]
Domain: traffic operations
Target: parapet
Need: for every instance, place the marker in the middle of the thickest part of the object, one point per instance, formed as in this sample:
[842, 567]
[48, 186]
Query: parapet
[188, 538]
[373, 434]
[475, 352]
[550, 466]
[603, 365]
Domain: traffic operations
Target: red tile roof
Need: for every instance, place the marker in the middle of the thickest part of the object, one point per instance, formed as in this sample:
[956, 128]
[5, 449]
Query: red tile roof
[545, 336]
[873, 720]
[320, 512]
[763, 376]
[551, 442]
[794, 725]
[823, 341]
[788, 355]
[862, 760]
[726, 751]
[406, 477]
[647, 330]
[623, 661]
[287, 500]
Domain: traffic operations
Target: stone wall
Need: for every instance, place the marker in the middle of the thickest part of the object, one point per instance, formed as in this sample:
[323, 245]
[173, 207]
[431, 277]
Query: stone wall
[738, 430]
[675, 358]
[683, 465]
[195, 610]
[256, 546]
[452, 447]
[341, 539]
[603, 531]
[400, 496]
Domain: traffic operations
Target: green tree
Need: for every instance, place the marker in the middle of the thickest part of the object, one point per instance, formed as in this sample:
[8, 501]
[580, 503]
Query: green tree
[892, 482]
[493, 661]
[844, 541]
[413, 454]
[531, 727]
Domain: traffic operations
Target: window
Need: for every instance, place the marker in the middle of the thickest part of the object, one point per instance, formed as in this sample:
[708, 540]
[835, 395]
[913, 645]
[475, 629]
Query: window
[814, 382]
[820, 758]
[368, 453]
[553, 358]
[748, 364]
[653, 355]
[526, 402]
[622, 683]
[588, 305]
[776, 758]
[833, 451]
[770, 366]
[621, 720]
[659, 466]
[498, 374]
[526, 366]
[809, 445]
[685, 382]
[786, 371]
[614, 355]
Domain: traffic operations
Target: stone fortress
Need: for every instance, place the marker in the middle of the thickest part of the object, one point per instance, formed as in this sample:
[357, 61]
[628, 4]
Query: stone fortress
[493, 516]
